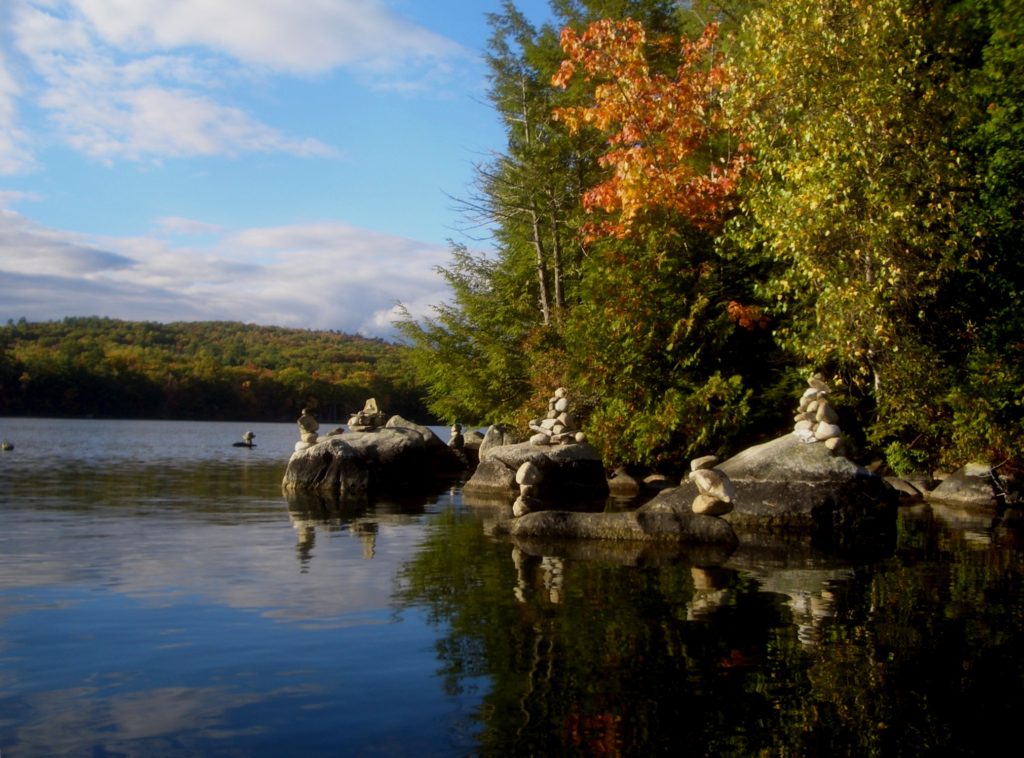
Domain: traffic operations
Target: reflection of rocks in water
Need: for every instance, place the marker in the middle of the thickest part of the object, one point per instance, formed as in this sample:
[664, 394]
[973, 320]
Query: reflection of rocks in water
[550, 570]
[312, 511]
[976, 525]
[808, 594]
[304, 546]
[712, 588]
[367, 533]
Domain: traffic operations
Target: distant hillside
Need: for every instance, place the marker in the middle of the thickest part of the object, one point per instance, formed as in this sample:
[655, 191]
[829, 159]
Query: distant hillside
[197, 370]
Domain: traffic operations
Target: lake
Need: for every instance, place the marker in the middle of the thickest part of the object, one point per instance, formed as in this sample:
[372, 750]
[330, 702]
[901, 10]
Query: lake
[160, 596]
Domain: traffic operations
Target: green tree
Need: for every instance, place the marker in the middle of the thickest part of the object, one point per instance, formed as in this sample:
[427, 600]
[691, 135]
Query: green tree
[854, 112]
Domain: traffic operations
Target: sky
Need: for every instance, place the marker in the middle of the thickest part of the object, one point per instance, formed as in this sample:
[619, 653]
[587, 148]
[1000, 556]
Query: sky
[280, 162]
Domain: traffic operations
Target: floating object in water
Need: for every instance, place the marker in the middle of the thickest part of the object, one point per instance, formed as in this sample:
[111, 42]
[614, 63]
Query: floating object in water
[5, 445]
[247, 440]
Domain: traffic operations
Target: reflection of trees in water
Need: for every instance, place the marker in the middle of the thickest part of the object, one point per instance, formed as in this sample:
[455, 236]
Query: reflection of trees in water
[591, 656]
[805, 656]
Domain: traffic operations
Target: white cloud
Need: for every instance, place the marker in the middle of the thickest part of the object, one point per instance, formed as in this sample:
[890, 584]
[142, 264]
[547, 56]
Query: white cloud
[145, 80]
[310, 36]
[14, 154]
[141, 108]
[316, 276]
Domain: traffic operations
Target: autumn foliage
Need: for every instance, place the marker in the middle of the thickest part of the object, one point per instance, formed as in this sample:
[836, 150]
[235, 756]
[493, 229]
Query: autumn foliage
[662, 130]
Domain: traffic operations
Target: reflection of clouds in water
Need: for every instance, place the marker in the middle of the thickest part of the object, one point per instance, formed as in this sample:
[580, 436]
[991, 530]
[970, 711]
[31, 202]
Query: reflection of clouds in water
[138, 723]
[250, 566]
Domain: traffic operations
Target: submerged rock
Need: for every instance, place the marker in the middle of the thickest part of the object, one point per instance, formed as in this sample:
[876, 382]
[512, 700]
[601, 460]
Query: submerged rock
[643, 525]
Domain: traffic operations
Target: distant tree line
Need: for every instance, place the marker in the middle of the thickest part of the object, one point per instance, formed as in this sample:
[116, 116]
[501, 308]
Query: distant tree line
[106, 368]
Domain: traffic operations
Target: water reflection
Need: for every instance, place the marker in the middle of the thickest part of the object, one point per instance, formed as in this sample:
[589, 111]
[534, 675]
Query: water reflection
[617, 649]
[189, 608]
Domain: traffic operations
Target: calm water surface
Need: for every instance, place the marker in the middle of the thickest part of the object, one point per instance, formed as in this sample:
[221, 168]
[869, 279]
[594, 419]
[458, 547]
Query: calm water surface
[160, 596]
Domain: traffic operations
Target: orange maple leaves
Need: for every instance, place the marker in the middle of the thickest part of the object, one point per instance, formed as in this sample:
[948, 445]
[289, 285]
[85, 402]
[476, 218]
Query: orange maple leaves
[668, 142]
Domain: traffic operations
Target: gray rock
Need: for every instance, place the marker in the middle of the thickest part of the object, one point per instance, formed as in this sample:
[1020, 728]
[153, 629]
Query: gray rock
[622, 484]
[570, 472]
[969, 486]
[904, 488]
[360, 465]
[643, 525]
[495, 436]
[787, 486]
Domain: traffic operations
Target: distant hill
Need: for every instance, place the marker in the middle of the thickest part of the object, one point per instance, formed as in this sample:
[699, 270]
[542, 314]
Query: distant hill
[215, 370]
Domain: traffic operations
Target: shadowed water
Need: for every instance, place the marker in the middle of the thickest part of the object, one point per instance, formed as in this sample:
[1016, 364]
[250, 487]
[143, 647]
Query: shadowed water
[160, 596]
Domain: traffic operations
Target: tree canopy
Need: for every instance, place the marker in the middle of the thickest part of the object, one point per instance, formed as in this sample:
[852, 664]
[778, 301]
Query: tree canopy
[741, 194]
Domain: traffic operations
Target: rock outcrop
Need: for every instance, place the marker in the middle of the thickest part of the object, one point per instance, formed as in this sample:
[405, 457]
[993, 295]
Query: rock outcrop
[564, 473]
[787, 487]
[972, 486]
[400, 457]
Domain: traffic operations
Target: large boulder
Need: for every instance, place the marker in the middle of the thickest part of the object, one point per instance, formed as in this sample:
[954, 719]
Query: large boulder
[401, 457]
[972, 486]
[568, 473]
[800, 490]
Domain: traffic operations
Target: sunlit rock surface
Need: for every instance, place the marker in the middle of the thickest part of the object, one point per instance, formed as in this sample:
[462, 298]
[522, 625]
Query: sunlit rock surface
[401, 457]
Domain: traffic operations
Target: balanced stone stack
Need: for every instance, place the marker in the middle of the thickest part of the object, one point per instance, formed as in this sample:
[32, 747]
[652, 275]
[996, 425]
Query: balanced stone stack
[716, 494]
[816, 420]
[528, 476]
[308, 427]
[559, 427]
[368, 419]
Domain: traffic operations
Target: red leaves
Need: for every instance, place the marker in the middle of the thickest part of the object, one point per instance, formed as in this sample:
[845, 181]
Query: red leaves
[748, 316]
[659, 129]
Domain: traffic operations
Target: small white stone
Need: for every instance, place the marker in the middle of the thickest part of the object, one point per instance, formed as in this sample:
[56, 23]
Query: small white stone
[710, 506]
[529, 473]
[706, 461]
[562, 405]
[540, 439]
[826, 413]
[713, 482]
[826, 431]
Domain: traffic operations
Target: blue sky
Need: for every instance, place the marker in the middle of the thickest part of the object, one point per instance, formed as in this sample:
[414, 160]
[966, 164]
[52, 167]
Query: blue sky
[285, 162]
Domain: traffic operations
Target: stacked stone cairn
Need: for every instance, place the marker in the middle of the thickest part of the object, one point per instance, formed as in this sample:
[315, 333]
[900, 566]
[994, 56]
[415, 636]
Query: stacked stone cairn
[456, 441]
[368, 419]
[716, 494]
[558, 427]
[528, 476]
[308, 427]
[816, 420]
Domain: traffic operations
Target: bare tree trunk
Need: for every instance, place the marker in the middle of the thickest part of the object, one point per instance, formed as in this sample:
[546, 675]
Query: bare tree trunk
[542, 279]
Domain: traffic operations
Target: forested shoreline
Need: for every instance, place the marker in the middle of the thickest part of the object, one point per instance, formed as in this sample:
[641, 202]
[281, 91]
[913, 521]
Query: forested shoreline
[223, 371]
[701, 204]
